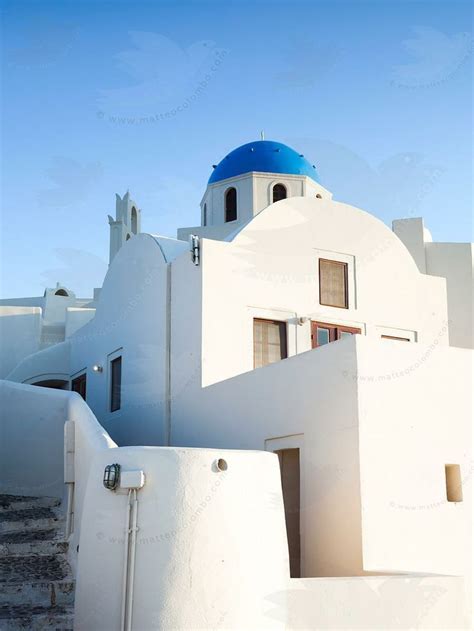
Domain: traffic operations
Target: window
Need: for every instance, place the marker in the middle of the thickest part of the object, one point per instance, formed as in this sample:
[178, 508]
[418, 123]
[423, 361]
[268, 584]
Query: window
[61, 292]
[134, 218]
[324, 333]
[231, 204]
[279, 192]
[394, 337]
[453, 482]
[204, 215]
[115, 383]
[333, 284]
[269, 342]
[78, 384]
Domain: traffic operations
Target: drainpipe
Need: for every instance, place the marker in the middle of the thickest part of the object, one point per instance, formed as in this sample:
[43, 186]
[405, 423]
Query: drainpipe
[133, 481]
[167, 411]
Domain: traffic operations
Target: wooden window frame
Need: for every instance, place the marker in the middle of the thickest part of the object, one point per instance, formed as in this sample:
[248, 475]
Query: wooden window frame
[346, 282]
[334, 332]
[283, 325]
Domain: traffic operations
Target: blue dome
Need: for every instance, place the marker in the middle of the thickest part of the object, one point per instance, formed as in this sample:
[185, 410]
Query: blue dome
[265, 156]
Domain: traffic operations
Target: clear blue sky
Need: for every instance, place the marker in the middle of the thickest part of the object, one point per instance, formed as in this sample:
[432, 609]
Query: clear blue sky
[104, 96]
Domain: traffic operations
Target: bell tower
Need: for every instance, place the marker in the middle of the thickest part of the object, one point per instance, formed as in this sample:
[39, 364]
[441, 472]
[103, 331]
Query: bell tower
[126, 224]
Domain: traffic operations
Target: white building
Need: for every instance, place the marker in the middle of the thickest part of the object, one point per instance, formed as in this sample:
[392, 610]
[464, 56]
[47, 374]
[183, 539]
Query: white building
[291, 323]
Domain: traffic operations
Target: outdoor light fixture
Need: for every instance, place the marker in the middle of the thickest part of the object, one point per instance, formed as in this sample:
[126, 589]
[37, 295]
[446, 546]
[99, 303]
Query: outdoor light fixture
[111, 476]
[302, 320]
[97, 368]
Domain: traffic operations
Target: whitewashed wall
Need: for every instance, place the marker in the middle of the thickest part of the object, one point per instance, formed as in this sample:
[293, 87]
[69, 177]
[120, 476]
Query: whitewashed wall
[130, 321]
[20, 330]
[211, 545]
[293, 400]
[395, 432]
[454, 261]
[270, 270]
[31, 439]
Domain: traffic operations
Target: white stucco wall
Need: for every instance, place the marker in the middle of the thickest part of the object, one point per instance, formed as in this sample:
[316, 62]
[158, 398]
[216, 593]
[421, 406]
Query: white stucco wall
[415, 414]
[31, 439]
[350, 417]
[76, 318]
[20, 329]
[211, 545]
[454, 261]
[376, 603]
[130, 321]
[270, 270]
[293, 400]
[50, 363]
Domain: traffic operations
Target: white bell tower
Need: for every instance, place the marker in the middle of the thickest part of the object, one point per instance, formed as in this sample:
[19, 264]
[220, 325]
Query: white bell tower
[126, 224]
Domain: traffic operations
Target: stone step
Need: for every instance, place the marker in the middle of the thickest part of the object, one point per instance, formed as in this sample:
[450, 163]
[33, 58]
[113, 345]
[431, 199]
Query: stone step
[12, 549]
[30, 568]
[13, 502]
[36, 618]
[31, 536]
[37, 518]
[41, 593]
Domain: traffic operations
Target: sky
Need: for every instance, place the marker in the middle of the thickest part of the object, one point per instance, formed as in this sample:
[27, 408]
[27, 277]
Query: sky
[101, 97]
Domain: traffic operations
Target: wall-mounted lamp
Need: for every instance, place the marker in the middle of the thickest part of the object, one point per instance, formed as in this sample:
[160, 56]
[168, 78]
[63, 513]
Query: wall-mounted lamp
[97, 368]
[111, 478]
[302, 320]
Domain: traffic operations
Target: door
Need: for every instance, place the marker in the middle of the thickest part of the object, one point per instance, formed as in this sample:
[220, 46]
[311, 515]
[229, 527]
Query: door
[290, 482]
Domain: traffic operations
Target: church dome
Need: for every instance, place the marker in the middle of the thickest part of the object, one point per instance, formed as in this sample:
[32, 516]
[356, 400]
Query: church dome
[265, 156]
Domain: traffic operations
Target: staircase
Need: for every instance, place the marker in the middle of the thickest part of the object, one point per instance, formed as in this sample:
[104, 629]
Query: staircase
[36, 586]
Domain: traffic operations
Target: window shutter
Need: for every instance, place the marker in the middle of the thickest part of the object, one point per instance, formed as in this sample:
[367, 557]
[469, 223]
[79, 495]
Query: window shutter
[333, 283]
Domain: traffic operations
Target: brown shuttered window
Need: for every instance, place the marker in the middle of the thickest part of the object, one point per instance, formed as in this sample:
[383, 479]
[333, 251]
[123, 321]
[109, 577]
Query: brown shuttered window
[333, 284]
[269, 342]
[115, 384]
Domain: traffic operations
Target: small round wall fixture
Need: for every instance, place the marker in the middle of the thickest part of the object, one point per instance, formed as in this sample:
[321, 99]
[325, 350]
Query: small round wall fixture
[221, 464]
[97, 368]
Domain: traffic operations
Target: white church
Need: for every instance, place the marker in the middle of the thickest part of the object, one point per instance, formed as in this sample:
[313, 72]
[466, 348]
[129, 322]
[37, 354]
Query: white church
[264, 423]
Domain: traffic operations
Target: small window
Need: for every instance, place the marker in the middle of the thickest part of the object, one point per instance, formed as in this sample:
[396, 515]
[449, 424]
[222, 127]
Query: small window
[269, 342]
[204, 215]
[127, 238]
[318, 196]
[394, 337]
[78, 384]
[323, 333]
[115, 384]
[279, 192]
[134, 220]
[61, 292]
[231, 204]
[453, 482]
[333, 284]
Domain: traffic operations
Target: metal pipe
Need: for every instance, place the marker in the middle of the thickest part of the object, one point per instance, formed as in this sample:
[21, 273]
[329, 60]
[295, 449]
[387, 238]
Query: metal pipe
[131, 570]
[125, 563]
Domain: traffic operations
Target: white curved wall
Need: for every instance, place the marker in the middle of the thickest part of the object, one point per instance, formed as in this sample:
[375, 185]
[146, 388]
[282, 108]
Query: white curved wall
[270, 270]
[130, 320]
[211, 550]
